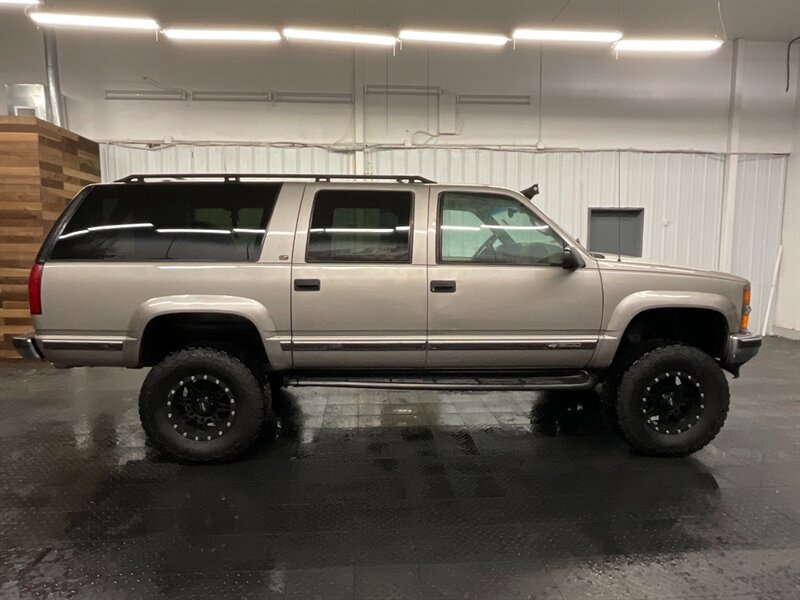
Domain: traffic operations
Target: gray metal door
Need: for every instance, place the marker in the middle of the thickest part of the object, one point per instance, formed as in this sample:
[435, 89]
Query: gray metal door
[616, 231]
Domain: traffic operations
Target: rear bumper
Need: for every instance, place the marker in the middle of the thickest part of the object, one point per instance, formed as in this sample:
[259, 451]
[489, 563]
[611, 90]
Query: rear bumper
[26, 347]
[741, 348]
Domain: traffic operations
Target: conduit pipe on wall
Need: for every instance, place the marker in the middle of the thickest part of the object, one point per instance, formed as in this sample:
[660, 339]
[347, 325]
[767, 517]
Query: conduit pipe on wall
[55, 100]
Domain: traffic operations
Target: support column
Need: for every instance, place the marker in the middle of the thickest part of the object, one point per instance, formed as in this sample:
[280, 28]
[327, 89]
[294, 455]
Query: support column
[726, 240]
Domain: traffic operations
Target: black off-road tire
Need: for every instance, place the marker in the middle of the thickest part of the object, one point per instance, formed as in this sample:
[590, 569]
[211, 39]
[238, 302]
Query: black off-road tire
[246, 397]
[707, 382]
[613, 375]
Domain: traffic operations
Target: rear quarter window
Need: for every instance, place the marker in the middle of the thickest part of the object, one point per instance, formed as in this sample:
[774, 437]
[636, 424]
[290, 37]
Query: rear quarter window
[223, 222]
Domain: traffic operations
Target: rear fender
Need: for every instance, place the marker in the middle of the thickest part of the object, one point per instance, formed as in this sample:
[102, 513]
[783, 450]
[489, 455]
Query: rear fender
[248, 308]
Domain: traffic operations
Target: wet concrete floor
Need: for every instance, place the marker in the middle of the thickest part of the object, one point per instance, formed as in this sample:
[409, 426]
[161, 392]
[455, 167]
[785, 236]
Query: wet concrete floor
[377, 494]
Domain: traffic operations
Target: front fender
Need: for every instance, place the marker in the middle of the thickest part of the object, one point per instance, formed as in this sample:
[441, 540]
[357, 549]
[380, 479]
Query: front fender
[638, 302]
[250, 309]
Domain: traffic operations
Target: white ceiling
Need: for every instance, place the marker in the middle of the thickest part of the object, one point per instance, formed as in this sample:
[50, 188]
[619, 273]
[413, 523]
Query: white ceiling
[765, 20]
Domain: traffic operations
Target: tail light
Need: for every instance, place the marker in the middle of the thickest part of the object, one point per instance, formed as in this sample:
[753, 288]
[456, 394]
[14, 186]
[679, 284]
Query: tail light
[745, 309]
[35, 289]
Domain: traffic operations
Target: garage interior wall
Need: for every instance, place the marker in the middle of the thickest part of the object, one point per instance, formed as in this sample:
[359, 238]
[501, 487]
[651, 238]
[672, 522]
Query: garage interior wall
[594, 130]
[681, 193]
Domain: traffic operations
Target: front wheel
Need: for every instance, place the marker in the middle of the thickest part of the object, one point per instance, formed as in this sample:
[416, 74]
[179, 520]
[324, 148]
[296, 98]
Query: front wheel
[201, 405]
[672, 401]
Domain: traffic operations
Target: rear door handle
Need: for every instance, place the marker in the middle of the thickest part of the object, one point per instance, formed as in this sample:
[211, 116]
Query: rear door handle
[443, 287]
[306, 285]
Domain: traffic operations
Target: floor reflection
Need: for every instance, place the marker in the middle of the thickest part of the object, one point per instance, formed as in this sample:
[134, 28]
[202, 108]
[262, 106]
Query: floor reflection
[423, 490]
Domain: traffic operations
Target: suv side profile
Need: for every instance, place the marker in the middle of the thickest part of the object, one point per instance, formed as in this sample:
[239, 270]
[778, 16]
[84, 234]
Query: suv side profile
[232, 286]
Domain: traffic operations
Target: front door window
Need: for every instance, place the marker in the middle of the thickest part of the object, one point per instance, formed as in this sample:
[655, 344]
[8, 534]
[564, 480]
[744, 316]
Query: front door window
[494, 229]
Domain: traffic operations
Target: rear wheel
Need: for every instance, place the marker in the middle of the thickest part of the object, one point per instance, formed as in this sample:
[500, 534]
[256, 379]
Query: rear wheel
[201, 405]
[672, 401]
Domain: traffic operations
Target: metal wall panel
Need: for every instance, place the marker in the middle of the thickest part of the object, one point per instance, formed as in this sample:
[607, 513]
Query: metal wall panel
[760, 188]
[681, 193]
[121, 160]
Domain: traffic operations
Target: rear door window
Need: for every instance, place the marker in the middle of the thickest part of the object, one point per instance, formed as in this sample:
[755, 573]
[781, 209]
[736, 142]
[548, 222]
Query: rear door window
[360, 226]
[223, 222]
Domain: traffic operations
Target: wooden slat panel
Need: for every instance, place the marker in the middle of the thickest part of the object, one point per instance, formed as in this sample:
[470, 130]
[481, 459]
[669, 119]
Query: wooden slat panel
[41, 168]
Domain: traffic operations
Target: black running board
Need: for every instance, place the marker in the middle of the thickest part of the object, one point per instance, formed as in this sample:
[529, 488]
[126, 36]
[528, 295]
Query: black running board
[575, 380]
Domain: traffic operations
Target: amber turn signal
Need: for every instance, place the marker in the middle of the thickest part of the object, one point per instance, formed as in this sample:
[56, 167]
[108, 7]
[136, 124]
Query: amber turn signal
[745, 309]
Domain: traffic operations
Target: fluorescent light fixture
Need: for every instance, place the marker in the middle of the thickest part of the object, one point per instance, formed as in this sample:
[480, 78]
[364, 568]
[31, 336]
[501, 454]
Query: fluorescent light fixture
[667, 45]
[565, 35]
[93, 21]
[223, 35]
[145, 95]
[245, 230]
[233, 96]
[19, 2]
[341, 37]
[451, 37]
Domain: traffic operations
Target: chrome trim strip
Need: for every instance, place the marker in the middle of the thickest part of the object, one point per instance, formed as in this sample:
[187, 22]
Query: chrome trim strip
[89, 345]
[498, 345]
[515, 345]
[351, 346]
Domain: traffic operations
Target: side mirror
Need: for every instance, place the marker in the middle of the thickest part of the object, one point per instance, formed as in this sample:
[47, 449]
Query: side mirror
[572, 260]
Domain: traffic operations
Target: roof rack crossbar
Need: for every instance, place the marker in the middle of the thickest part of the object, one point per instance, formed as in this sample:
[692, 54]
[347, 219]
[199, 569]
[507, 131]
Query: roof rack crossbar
[237, 177]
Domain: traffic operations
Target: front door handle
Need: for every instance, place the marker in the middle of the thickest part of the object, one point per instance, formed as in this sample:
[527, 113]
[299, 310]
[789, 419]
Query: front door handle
[306, 285]
[443, 287]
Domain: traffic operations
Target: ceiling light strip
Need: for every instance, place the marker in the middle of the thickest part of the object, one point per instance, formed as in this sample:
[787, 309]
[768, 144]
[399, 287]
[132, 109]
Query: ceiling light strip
[654, 45]
[223, 35]
[93, 21]
[341, 37]
[565, 35]
[452, 37]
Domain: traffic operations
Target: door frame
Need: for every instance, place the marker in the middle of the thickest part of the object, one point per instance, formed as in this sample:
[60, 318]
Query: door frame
[343, 350]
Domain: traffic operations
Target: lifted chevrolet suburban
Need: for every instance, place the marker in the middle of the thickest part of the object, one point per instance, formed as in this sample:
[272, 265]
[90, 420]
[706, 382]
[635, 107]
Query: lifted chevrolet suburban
[231, 286]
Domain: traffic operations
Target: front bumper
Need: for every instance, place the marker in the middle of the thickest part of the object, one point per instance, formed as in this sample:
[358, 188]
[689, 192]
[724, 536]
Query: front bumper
[741, 347]
[25, 345]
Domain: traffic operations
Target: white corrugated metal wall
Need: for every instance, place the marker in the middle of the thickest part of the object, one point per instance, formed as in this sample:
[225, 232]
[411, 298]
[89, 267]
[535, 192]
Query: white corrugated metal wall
[760, 187]
[681, 193]
[119, 160]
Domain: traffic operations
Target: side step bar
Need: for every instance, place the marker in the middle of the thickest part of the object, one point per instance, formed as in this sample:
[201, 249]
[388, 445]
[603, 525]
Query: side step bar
[575, 380]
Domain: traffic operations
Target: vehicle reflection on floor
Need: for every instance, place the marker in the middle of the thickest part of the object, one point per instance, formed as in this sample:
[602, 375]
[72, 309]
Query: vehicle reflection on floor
[365, 493]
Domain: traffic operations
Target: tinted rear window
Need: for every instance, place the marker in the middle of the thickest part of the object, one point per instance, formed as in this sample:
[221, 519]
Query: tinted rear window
[360, 226]
[222, 222]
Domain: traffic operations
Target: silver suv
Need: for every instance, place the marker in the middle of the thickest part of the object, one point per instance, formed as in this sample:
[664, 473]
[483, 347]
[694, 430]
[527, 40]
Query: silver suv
[231, 286]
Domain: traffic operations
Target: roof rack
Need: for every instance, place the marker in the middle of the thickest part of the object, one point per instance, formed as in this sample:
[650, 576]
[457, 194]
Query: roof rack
[237, 177]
